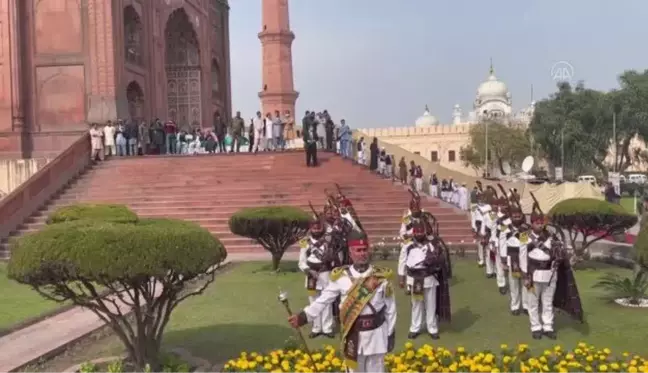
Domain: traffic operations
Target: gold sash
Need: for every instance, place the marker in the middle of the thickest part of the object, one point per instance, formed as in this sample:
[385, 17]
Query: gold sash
[360, 294]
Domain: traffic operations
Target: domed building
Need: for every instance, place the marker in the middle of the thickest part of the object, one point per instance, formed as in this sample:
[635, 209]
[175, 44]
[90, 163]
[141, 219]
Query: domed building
[442, 142]
[427, 119]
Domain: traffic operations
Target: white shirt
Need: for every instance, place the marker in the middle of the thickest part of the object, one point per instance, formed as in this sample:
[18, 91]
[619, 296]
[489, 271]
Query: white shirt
[268, 127]
[305, 258]
[542, 275]
[259, 126]
[371, 342]
[522, 256]
[412, 256]
[109, 135]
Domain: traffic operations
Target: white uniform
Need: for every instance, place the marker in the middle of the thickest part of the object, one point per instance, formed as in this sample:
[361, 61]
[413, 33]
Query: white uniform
[372, 344]
[310, 255]
[518, 293]
[544, 287]
[501, 252]
[477, 217]
[411, 256]
[482, 252]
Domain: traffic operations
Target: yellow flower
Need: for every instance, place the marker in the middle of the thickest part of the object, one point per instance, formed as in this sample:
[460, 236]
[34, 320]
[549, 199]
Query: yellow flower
[504, 346]
[607, 351]
[409, 345]
[506, 359]
[589, 358]
[632, 369]
[461, 350]
[588, 368]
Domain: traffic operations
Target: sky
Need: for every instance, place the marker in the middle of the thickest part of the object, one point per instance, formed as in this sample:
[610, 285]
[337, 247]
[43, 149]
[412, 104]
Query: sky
[378, 63]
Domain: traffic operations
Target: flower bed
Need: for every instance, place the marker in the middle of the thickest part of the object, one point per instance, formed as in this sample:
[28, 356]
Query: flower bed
[582, 358]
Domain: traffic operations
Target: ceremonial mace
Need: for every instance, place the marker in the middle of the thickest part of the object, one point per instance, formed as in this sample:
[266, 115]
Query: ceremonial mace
[283, 298]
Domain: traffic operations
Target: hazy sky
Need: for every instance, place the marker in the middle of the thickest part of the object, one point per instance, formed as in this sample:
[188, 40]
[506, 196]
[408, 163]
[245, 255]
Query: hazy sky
[377, 63]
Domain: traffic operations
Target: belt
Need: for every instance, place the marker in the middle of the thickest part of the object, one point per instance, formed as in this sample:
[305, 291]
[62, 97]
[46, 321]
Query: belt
[319, 267]
[512, 251]
[365, 323]
[542, 265]
[421, 272]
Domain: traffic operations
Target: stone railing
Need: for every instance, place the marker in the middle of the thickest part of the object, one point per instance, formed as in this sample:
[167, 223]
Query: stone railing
[428, 166]
[25, 200]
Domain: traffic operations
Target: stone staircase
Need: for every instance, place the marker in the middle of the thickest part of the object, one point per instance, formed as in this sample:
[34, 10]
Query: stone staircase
[209, 189]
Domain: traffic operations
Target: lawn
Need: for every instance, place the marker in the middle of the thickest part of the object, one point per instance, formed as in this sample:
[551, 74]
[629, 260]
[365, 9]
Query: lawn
[628, 203]
[19, 302]
[240, 312]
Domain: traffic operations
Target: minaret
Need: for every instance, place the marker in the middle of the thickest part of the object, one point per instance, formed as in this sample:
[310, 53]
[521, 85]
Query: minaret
[277, 91]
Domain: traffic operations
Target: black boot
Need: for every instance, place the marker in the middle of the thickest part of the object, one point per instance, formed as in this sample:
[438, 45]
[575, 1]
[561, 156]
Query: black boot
[551, 335]
[329, 335]
[412, 335]
[314, 335]
[536, 335]
[515, 312]
[434, 336]
[502, 290]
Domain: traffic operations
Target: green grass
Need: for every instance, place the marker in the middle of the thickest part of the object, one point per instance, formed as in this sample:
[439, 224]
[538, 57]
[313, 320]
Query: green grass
[628, 204]
[19, 302]
[240, 311]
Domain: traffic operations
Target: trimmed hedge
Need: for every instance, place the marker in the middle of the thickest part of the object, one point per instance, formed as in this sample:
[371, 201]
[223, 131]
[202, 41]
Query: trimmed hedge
[588, 206]
[95, 212]
[112, 251]
[246, 222]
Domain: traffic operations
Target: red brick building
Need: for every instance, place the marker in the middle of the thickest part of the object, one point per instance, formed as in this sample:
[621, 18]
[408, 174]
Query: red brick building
[65, 63]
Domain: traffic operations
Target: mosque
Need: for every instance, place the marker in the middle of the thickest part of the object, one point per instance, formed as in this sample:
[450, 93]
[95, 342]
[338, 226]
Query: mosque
[442, 142]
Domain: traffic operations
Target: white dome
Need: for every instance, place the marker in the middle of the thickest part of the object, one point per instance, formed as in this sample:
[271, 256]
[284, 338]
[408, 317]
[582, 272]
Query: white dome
[426, 120]
[492, 88]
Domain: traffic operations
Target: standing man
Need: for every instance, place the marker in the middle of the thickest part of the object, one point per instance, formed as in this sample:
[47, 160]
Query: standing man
[109, 139]
[310, 140]
[329, 126]
[367, 309]
[289, 129]
[316, 261]
[345, 140]
[236, 130]
[515, 257]
[132, 134]
[96, 142]
[251, 136]
[259, 132]
[277, 131]
[421, 267]
[220, 129]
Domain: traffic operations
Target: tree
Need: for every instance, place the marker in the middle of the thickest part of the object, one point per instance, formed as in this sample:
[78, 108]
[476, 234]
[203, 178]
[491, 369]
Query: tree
[274, 227]
[506, 144]
[151, 265]
[591, 219]
[96, 212]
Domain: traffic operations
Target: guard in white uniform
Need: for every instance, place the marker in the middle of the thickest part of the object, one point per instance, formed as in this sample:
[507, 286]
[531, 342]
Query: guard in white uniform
[476, 221]
[422, 270]
[515, 264]
[316, 262]
[550, 280]
[368, 309]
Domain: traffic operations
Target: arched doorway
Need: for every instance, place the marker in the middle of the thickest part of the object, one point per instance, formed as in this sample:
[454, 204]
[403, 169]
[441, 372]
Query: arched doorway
[135, 98]
[133, 36]
[183, 70]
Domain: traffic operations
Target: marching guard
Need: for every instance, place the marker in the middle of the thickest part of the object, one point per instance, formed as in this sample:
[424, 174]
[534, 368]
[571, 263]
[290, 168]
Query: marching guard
[476, 220]
[550, 281]
[368, 308]
[485, 234]
[514, 258]
[413, 214]
[316, 261]
[422, 269]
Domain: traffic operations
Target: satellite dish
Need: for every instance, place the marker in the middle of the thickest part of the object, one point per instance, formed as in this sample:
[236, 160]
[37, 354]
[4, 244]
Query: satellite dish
[527, 164]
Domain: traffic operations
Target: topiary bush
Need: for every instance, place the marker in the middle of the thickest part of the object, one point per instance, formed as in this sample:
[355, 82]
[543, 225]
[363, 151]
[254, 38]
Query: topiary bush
[274, 227]
[99, 212]
[152, 265]
[593, 219]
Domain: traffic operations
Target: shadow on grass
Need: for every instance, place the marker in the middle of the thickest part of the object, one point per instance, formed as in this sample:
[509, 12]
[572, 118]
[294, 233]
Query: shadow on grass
[462, 319]
[564, 321]
[285, 267]
[219, 343]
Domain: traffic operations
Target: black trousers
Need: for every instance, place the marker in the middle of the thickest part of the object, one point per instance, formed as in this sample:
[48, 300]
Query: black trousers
[221, 143]
[329, 140]
[311, 154]
[251, 143]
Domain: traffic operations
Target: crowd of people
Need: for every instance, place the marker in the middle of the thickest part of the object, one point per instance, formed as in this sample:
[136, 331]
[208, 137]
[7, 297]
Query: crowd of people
[272, 132]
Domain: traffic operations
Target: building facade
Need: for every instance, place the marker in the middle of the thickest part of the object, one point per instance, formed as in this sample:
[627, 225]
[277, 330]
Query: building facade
[67, 63]
[442, 143]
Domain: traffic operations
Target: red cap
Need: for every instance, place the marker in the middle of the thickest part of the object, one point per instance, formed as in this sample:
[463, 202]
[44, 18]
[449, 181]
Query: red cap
[362, 242]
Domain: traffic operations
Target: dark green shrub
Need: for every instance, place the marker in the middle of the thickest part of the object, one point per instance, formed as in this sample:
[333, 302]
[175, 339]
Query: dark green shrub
[274, 227]
[99, 212]
[162, 261]
[591, 220]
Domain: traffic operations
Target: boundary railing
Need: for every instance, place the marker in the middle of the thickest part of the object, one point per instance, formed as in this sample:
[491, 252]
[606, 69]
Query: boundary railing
[25, 200]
